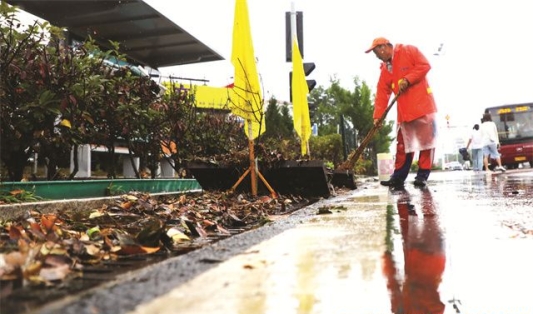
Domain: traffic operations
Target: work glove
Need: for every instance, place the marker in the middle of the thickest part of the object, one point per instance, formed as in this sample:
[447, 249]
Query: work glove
[402, 85]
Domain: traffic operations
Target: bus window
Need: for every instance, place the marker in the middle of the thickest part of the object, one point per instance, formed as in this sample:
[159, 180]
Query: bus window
[506, 117]
[524, 123]
[505, 125]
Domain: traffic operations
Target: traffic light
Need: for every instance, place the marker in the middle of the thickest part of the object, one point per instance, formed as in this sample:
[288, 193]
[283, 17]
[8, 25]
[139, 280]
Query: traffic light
[308, 68]
[299, 34]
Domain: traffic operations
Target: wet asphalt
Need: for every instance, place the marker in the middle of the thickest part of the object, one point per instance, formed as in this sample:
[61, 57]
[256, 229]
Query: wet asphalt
[464, 244]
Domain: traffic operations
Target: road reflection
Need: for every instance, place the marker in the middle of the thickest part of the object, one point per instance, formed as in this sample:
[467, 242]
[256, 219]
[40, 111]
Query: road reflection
[414, 264]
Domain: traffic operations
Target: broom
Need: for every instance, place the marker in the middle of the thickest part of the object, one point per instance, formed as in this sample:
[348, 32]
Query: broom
[343, 175]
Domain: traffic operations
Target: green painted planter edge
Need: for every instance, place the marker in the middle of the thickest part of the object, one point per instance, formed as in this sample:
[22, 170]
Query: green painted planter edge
[57, 190]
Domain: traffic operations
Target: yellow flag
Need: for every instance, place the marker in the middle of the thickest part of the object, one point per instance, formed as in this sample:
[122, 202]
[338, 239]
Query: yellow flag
[300, 107]
[246, 100]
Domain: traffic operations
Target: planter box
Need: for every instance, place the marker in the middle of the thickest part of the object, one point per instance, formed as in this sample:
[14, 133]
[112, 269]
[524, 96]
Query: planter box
[305, 178]
[214, 177]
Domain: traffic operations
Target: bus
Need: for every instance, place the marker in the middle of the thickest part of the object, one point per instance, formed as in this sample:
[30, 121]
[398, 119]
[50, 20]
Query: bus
[515, 129]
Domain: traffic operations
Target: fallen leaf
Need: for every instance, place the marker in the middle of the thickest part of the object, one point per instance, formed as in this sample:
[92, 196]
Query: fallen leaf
[92, 250]
[223, 230]
[96, 214]
[55, 273]
[36, 230]
[126, 205]
[177, 236]
[48, 222]
[93, 232]
[16, 192]
[16, 259]
[190, 226]
[136, 250]
[15, 232]
[208, 223]
[130, 198]
[151, 233]
[32, 269]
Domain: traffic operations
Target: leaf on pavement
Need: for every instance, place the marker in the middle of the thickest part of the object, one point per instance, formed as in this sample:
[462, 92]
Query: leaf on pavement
[223, 230]
[48, 222]
[136, 250]
[15, 232]
[96, 214]
[151, 233]
[177, 236]
[56, 273]
[126, 205]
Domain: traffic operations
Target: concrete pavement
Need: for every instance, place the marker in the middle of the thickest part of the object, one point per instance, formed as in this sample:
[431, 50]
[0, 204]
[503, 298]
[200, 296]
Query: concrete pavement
[463, 245]
[325, 265]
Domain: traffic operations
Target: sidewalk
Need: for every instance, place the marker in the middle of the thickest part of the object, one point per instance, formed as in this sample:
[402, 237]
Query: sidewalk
[373, 253]
[328, 264]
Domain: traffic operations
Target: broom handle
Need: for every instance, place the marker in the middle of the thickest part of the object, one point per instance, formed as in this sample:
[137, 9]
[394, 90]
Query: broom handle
[352, 158]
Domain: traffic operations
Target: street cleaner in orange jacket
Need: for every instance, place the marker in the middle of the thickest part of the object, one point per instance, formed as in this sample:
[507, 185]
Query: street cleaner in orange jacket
[403, 72]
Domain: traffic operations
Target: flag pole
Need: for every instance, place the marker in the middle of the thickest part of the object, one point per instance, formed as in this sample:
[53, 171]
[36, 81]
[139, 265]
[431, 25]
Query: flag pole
[247, 90]
[253, 169]
[293, 22]
[304, 143]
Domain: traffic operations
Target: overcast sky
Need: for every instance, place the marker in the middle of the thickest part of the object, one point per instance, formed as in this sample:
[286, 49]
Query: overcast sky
[486, 59]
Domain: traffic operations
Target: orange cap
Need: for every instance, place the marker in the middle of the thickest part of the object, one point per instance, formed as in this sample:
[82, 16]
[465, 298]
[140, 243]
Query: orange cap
[378, 41]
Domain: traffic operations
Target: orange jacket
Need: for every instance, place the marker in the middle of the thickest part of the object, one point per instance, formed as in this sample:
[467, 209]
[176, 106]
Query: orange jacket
[409, 63]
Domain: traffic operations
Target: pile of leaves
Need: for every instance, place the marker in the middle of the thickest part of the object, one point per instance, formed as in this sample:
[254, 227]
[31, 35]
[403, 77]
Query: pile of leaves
[46, 250]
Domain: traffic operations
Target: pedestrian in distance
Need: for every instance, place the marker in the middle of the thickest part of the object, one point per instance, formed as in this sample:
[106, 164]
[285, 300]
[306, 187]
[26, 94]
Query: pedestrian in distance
[476, 140]
[491, 142]
[403, 72]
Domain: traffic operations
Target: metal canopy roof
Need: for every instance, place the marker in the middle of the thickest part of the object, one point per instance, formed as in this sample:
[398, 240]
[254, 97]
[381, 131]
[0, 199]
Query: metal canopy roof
[144, 34]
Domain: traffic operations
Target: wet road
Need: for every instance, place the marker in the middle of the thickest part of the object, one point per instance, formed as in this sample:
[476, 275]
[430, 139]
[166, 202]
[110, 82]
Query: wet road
[463, 245]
